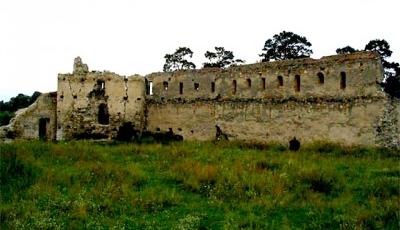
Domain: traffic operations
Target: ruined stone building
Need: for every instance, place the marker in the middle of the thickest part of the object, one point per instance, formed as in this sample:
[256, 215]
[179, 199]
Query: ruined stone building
[335, 98]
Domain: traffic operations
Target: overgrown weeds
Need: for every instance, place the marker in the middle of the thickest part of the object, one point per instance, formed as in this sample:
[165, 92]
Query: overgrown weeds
[186, 185]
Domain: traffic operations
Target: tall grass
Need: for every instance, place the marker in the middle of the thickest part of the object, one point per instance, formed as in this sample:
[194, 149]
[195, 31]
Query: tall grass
[197, 185]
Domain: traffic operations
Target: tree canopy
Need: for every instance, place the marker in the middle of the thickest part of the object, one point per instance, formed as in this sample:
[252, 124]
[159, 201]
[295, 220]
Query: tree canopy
[221, 58]
[7, 109]
[178, 60]
[346, 50]
[286, 45]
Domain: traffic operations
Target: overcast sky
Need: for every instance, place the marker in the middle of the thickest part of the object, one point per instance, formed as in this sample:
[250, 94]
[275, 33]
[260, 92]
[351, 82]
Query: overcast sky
[40, 38]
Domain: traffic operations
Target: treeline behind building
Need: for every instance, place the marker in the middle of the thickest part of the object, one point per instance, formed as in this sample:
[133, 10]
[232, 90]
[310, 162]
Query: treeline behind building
[7, 109]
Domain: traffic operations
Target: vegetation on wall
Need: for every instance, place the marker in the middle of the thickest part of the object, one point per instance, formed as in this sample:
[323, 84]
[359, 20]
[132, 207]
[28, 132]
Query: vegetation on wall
[7, 109]
[197, 185]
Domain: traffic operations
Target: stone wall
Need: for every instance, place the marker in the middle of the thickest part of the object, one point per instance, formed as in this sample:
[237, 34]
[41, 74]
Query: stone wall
[349, 123]
[339, 76]
[95, 105]
[34, 122]
[335, 98]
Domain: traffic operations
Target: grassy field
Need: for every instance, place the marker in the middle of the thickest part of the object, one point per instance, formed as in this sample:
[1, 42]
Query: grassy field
[197, 185]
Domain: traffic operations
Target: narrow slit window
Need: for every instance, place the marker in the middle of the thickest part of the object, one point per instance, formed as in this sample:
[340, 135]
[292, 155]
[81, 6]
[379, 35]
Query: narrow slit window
[180, 87]
[297, 83]
[280, 81]
[165, 85]
[212, 87]
[342, 80]
[263, 83]
[234, 86]
[321, 78]
[248, 83]
[196, 86]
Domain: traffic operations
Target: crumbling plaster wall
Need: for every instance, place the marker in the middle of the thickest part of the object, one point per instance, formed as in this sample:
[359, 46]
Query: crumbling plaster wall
[262, 110]
[81, 94]
[350, 123]
[25, 124]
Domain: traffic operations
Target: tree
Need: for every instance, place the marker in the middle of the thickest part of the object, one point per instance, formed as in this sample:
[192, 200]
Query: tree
[381, 46]
[7, 109]
[178, 60]
[391, 83]
[286, 45]
[346, 50]
[221, 58]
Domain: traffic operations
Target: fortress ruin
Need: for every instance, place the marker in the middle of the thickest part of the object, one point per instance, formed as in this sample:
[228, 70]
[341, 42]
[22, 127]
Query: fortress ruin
[335, 98]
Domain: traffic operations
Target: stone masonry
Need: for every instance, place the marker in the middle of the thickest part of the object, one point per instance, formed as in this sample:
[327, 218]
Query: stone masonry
[335, 98]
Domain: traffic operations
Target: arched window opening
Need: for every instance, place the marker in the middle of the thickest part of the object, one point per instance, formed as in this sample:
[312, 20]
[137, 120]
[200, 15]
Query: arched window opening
[280, 81]
[103, 116]
[234, 86]
[196, 86]
[165, 85]
[297, 83]
[248, 83]
[321, 78]
[342, 80]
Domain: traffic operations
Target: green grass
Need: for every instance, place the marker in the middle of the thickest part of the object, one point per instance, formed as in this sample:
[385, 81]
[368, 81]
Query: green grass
[197, 185]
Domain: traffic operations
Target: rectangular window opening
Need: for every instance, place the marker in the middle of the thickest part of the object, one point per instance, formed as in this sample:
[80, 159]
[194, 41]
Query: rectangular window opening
[263, 83]
[234, 86]
[165, 85]
[196, 86]
[297, 79]
[180, 87]
[212, 87]
[342, 80]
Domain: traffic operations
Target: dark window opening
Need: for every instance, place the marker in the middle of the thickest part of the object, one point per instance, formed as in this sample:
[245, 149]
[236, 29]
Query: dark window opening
[165, 85]
[297, 80]
[147, 86]
[61, 97]
[75, 97]
[127, 132]
[263, 82]
[82, 80]
[280, 81]
[180, 87]
[139, 99]
[125, 98]
[43, 128]
[294, 144]
[101, 85]
[103, 117]
[212, 87]
[321, 79]
[248, 83]
[158, 129]
[196, 86]
[342, 80]
[234, 85]
[180, 129]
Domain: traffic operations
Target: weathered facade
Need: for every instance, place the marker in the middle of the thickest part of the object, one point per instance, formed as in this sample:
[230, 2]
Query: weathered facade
[335, 98]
